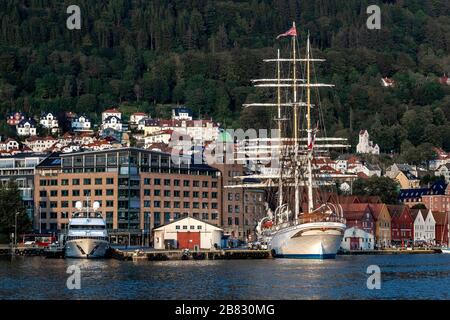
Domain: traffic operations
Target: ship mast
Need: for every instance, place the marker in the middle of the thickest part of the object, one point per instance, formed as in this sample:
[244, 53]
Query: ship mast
[280, 179]
[294, 87]
[309, 130]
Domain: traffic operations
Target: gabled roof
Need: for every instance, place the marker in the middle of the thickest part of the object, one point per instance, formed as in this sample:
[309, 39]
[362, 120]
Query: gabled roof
[396, 211]
[112, 110]
[376, 209]
[29, 120]
[189, 218]
[415, 213]
[355, 211]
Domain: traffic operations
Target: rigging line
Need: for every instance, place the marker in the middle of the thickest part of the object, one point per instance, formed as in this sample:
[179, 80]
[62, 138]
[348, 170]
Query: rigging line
[319, 108]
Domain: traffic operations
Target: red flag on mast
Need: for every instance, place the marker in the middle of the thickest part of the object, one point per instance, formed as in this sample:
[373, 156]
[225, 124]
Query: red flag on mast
[291, 32]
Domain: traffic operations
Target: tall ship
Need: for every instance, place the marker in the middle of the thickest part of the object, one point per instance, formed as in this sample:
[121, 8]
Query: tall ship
[87, 235]
[304, 218]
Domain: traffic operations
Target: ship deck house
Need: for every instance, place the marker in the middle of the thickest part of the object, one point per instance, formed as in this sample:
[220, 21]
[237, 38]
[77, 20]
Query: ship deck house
[187, 233]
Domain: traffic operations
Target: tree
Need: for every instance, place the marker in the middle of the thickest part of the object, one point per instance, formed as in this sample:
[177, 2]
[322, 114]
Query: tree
[385, 187]
[10, 204]
[419, 206]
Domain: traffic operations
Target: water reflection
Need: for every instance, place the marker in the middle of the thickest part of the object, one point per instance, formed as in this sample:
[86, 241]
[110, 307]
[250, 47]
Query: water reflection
[403, 277]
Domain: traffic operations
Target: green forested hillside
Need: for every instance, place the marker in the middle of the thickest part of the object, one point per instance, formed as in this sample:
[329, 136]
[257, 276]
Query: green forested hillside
[146, 53]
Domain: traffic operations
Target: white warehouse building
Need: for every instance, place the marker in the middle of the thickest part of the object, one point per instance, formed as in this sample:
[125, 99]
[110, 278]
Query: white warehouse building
[187, 233]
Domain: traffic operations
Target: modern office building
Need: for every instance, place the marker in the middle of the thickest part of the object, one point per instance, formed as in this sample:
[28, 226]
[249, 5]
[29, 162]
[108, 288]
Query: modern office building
[137, 190]
[20, 168]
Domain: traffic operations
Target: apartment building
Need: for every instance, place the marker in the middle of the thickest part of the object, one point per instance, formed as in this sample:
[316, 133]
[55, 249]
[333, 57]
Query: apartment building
[242, 207]
[20, 168]
[137, 190]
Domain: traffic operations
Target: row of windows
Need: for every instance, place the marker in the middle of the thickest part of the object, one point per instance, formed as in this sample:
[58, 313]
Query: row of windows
[177, 204]
[186, 227]
[177, 193]
[177, 183]
[75, 182]
[65, 204]
[75, 193]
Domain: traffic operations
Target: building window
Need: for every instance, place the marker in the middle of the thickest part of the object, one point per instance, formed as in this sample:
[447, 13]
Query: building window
[157, 182]
[98, 181]
[64, 204]
[186, 183]
[177, 227]
[196, 183]
[230, 221]
[86, 181]
[167, 182]
[64, 193]
[157, 193]
[76, 182]
[109, 203]
[166, 193]
[176, 183]
[65, 182]
[109, 180]
[98, 192]
[43, 193]
[176, 193]
[109, 192]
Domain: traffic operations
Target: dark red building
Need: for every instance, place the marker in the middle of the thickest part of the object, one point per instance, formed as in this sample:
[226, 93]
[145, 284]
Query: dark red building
[360, 216]
[402, 224]
[441, 219]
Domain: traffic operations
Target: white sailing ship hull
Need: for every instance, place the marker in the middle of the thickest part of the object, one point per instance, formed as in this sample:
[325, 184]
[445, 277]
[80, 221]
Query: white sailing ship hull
[86, 248]
[318, 240]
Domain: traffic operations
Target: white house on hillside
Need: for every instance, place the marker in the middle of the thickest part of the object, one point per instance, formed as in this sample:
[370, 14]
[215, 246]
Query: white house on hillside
[111, 112]
[444, 170]
[40, 144]
[137, 116]
[365, 145]
[50, 122]
[26, 127]
[9, 144]
[81, 123]
[181, 114]
[112, 122]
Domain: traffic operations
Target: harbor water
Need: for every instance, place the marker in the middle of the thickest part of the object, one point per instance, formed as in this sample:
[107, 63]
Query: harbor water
[402, 277]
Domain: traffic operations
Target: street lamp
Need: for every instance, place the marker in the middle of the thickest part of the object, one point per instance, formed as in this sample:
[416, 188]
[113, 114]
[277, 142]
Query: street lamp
[15, 229]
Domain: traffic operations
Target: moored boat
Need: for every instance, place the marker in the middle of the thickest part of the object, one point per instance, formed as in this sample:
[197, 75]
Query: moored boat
[87, 235]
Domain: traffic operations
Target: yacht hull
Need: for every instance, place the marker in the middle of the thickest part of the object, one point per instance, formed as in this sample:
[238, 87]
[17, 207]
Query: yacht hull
[318, 240]
[86, 248]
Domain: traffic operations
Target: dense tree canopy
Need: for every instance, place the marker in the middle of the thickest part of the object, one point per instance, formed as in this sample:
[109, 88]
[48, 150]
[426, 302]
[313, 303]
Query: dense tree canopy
[10, 204]
[202, 53]
[384, 187]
